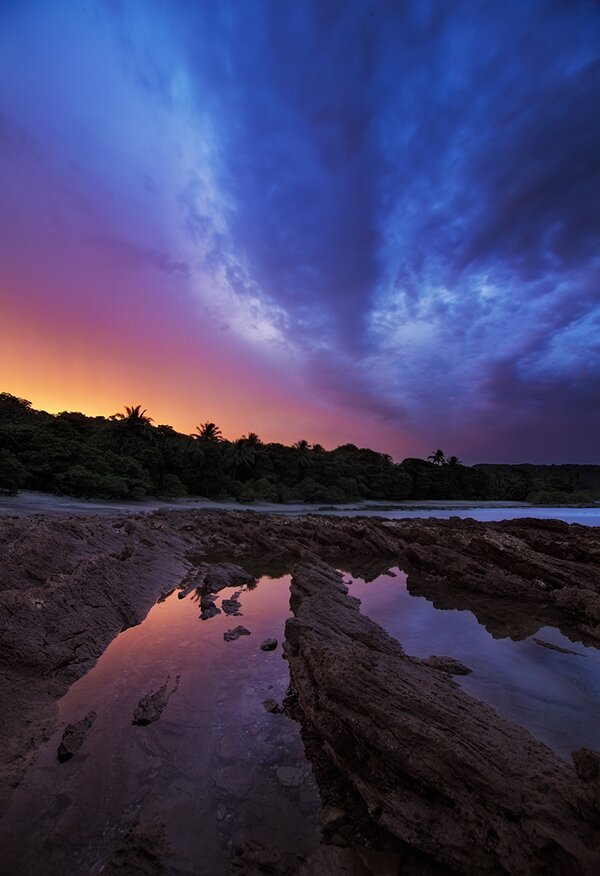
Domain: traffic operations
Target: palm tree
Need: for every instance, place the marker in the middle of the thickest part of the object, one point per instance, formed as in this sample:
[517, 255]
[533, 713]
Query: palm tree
[134, 416]
[453, 460]
[209, 433]
[437, 458]
[303, 448]
[240, 453]
[252, 439]
[131, 428]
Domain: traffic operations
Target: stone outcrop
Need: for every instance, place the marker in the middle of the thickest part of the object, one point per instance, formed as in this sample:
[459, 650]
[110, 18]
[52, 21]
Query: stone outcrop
[70, 584]
[437, 769]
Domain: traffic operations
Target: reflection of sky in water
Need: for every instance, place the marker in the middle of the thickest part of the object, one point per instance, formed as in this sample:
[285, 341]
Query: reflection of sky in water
[584, 516]
[206, 770]
[556, 696]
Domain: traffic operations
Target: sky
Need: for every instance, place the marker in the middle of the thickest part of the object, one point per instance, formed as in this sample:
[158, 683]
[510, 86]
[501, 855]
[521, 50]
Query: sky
[358, 221]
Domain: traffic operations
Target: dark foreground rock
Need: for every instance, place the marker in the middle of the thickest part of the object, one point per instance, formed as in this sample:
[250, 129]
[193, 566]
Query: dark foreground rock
[69, 585]
[151, 705]
[268, 645]
[74, 737]
[235, 633]
[436, 769]
[447, 664]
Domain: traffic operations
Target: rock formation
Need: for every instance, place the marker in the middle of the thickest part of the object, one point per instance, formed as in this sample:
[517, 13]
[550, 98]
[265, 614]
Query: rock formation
[436, 768]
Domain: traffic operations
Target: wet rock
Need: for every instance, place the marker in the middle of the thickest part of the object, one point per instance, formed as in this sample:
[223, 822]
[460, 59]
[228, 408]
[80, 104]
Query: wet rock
[235, 633]
[558, 648]
[272, 706]
[447, 664]
[437, 769]
[74, 736]
[143, 851]
[217, 576]
[208, 608]
[516, 576]
[587, 764]
[331, 817]
[232, 605]
[268, 645]
[290, 777]
[151, 705]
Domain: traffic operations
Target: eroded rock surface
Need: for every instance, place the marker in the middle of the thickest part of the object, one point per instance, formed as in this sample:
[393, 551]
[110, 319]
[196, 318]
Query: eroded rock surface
[436, 768]
[70, 584]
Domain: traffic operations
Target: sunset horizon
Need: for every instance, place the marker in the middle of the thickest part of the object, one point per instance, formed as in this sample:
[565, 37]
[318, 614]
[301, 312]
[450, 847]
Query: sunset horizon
[342, 221]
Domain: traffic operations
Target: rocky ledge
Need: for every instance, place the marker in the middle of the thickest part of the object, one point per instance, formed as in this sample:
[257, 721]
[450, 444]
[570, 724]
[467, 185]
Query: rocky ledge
[436, 769]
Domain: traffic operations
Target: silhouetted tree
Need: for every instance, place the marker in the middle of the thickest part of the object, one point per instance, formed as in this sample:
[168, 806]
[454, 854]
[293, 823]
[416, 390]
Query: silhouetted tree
[209, 432]
[437, 457]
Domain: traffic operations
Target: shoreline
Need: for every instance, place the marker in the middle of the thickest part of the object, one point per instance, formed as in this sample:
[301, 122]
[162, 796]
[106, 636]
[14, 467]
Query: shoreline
[32, 502]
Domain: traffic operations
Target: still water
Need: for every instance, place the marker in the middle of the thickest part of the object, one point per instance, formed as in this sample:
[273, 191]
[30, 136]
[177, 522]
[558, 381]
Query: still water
[217, 769]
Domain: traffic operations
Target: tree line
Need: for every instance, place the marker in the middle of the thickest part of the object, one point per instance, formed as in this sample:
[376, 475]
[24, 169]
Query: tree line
[126, 456]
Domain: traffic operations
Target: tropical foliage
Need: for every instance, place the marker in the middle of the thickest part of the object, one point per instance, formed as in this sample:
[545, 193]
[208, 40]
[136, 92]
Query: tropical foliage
[127, 456]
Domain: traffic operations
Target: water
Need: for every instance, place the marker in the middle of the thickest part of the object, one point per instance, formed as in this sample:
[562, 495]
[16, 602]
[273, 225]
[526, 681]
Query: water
[29, 502]
[205, 774]
[555, 695]
[485, 514]
[217, 769]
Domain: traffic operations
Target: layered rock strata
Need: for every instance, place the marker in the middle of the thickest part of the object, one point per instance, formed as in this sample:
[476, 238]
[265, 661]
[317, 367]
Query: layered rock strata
[436, 768]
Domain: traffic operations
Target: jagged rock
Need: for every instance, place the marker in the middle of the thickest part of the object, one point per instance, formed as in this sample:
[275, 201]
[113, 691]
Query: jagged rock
[151, 705]
[587, 764]
[232, 605]
[208, 608]
[235, 633]
[331, 817]
[437, 769]
[447, 664]
[516, 576]
[268, 645]
[217, 576]
[74, 736]
[558, 648]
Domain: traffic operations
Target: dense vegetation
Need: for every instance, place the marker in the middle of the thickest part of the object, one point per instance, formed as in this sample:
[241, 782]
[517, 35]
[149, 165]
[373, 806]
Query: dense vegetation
[126, 456]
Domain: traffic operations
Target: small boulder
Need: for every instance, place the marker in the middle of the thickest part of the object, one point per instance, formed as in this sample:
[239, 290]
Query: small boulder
[235, 633]
[268, 645]
[150, 706]
[208, 608]
[232, 605]
[272, 706]
[449, 665]
[74, 737]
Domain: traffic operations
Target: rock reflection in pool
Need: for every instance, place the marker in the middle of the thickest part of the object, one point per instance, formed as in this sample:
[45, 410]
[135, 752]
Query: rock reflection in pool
[555, 695]
[214, 771]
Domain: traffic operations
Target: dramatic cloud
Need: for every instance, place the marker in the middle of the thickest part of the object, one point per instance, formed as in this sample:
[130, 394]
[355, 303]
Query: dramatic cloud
[388, 212]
